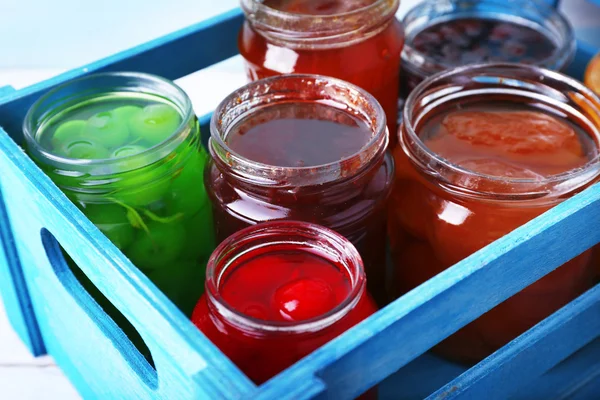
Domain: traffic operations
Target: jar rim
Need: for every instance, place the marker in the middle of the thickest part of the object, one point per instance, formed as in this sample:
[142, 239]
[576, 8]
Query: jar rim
[270, 92]
[31, 124]
[581, 175]
[564, 36]
[325, 238]
[329, 30]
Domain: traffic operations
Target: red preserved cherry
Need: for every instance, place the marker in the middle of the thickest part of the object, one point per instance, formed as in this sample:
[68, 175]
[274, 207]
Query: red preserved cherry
[304, 299]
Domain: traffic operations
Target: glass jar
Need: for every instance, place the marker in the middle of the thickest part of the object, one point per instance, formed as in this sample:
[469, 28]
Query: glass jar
[148, 196]
[262, 341]
[442, 34]
[443, 211]
[348, 195]
[358, 41]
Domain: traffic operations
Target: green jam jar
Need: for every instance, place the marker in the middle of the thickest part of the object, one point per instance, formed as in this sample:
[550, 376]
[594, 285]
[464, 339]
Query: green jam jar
[125, 148]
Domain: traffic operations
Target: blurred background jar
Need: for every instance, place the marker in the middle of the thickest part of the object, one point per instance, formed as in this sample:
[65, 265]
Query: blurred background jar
[358, 41]
[443, 34]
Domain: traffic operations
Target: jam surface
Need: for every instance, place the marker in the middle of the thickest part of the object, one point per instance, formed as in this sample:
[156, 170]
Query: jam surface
[464, 41]
[432, 228]
[286, 285]
[495, 139]
[318, 7]
[299, 135]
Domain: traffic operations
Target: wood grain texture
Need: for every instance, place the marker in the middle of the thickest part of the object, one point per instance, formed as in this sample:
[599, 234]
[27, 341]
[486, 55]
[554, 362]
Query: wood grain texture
[430, 313]
[13, 288]
[103, 363]
[100, 361]
[532, 354]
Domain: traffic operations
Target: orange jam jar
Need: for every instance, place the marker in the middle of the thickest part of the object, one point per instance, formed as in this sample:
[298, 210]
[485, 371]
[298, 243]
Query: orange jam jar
[483, 150]
[358, 41]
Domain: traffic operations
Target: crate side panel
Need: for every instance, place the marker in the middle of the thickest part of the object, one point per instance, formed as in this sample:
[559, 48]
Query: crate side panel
[13, 288]
[405, 329]
[530, 355]
[419, 378]
[569, 377]
[590, 391]
[76, 330]
[171, 56]
[6, 90]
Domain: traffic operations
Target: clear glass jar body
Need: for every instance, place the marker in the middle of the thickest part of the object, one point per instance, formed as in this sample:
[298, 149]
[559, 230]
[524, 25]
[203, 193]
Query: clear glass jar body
[348, 196]
[535, 14]
[361, 47]
[441, 213]
[152, 205]
[263, 348]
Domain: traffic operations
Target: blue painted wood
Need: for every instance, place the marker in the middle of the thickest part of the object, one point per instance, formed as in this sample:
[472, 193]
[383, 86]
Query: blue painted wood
[91, 349]
[5, 90]
[597, 2]
[570, 378]
[14, 290]
[530, 355]
[103, 363]
[422, 318]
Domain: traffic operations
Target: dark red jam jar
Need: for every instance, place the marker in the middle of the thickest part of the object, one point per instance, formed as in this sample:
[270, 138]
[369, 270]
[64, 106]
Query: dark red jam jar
[359, 41]
[453, 33]
[307, 148]
[483, 150]
[277, 291]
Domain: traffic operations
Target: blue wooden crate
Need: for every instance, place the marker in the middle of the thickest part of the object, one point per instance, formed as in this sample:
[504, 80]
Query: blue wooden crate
[53, 314]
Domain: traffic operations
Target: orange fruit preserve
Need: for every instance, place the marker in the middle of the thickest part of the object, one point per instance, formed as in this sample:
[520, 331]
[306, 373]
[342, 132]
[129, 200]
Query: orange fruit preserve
[432, 226]
[592, 74]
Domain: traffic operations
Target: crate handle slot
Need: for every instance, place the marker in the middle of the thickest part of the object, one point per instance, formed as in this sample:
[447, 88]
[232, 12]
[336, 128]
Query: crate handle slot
[14, 289]
[142, 367]
[187, 365]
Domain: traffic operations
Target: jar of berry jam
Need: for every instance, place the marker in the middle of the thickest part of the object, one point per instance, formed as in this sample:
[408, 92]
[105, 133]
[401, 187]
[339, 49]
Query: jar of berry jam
[483, 150]
[308, 148]
[277, 291]
[125, 148]
[442, 34]
[358, 41]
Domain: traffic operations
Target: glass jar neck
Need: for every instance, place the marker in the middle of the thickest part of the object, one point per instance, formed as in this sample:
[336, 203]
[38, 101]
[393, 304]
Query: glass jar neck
[297, 89]
[96, 176]
[535, 13]
[305, 31]
[294, 235]
[510, 83]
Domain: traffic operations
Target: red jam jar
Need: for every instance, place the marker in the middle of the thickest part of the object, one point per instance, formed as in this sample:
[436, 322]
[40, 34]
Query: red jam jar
[451, 33]
[358, 41]
[277, 291]
[483, 150]
[307, 148]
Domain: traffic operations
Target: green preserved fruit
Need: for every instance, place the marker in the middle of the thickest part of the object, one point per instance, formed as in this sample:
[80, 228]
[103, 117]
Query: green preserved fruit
[153, 208]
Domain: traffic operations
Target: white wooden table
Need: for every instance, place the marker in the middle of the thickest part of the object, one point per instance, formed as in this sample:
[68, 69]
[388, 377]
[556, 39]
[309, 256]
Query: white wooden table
[29, 57]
